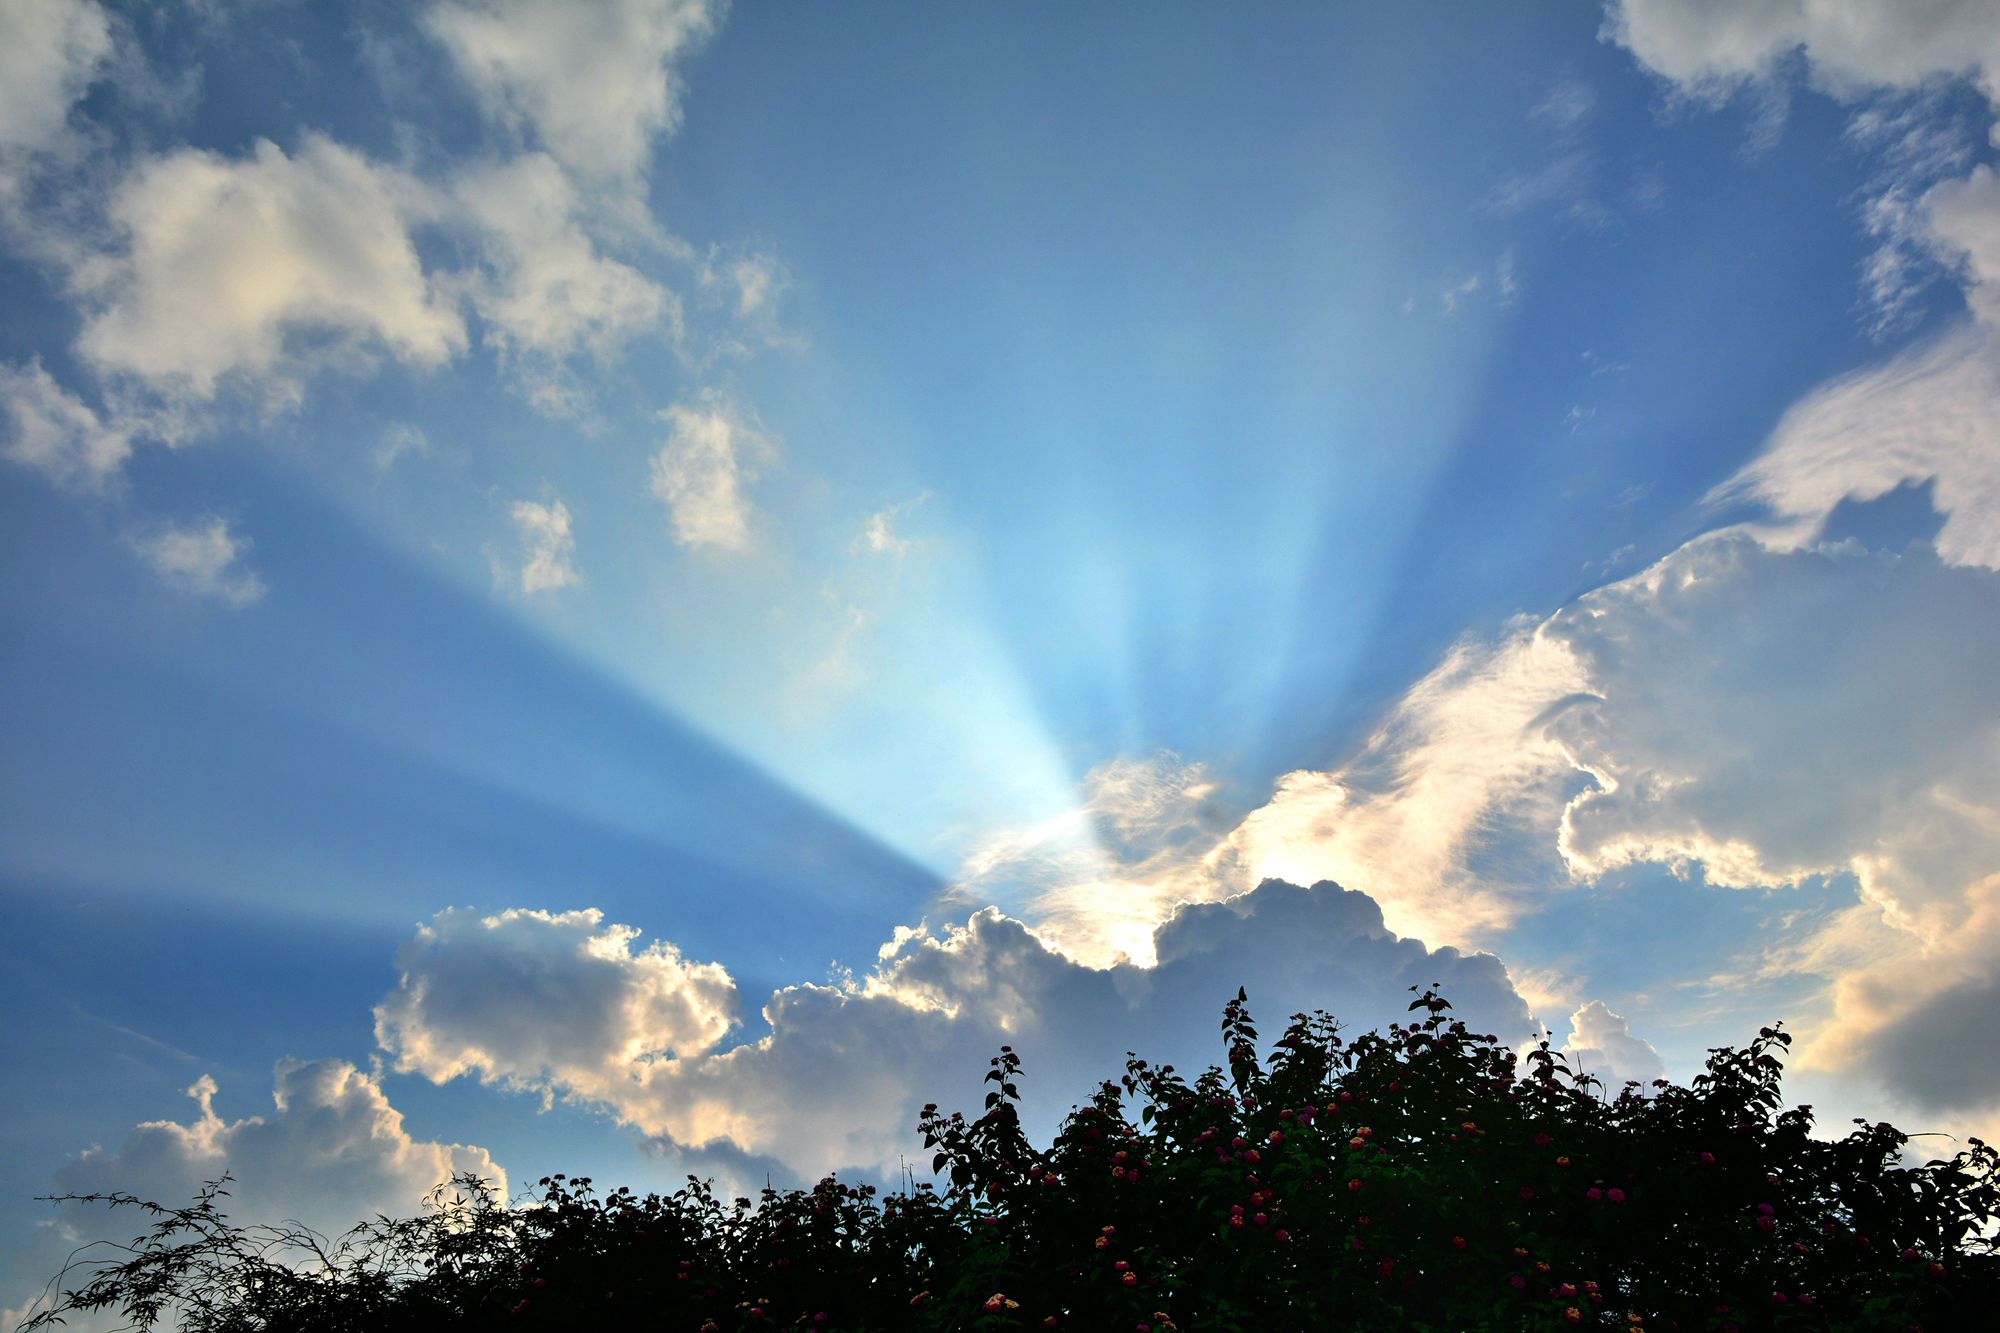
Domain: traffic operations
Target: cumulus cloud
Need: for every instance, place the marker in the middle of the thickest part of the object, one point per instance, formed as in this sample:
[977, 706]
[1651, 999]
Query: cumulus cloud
[203, 559]
[53, 432]
[1762, 716]
[1602, 1043]
[332, 1150]
[250, 266]
[549, 544]
[563, 1003]
[712, 454]
[603, 1014]
[1932, 414]
[1695, 757]
[50, 51]
[592, 85]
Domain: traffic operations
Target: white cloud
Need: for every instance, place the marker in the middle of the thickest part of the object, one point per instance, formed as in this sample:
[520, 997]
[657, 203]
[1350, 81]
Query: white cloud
[1601, 1043]
[564, 1004]
[1719, 671]
[536, 998]
[332, 1151]
[1463, 766]
[252, 266]
[591, 84]
[550, 545]
[50, 51]
[546, 289]
[1713, 47]
[1767, 717]
[1857, 50]
[204, 559]
[1931, 414]
[712, 453]
[55, 433]
[1964, 226]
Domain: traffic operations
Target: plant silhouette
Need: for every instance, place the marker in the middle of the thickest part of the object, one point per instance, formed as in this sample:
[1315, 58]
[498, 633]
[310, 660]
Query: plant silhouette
[1423, 1178]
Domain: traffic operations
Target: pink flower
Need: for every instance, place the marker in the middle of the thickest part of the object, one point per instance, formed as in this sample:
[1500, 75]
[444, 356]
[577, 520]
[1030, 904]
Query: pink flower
[1616, 1195]
[1594, 1193]
[1520, 1283]
[1767, 1210]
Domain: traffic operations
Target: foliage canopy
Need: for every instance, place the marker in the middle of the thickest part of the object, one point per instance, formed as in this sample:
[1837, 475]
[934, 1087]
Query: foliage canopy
[1424, 1178]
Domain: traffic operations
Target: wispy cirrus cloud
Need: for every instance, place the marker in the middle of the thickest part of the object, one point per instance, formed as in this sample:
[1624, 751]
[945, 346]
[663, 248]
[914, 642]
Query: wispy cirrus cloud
[549, 545]
[203, 559]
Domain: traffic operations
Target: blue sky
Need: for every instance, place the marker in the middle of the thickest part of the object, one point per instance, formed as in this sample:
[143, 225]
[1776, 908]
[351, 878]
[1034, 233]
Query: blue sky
[627, 588]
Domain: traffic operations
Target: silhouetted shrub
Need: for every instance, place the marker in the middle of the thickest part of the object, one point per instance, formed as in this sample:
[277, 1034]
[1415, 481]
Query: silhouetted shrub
[1417, 1179]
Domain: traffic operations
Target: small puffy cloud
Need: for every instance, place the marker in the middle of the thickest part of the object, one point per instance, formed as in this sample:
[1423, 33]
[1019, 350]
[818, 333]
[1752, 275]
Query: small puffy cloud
[550, 546]
[1601, 1043]
[1930, 414]
[879, 535]
[712, 454]
[541, 999]
[593, 85]
[332, 1150]
[564, 1004]
[545, 288]
[50, 51]
[247, 266]
[203, 559]
[1712, 47]
[55, 433]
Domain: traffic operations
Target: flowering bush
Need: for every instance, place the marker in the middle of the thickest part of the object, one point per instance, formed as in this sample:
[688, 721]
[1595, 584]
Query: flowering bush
[1424, 1179]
